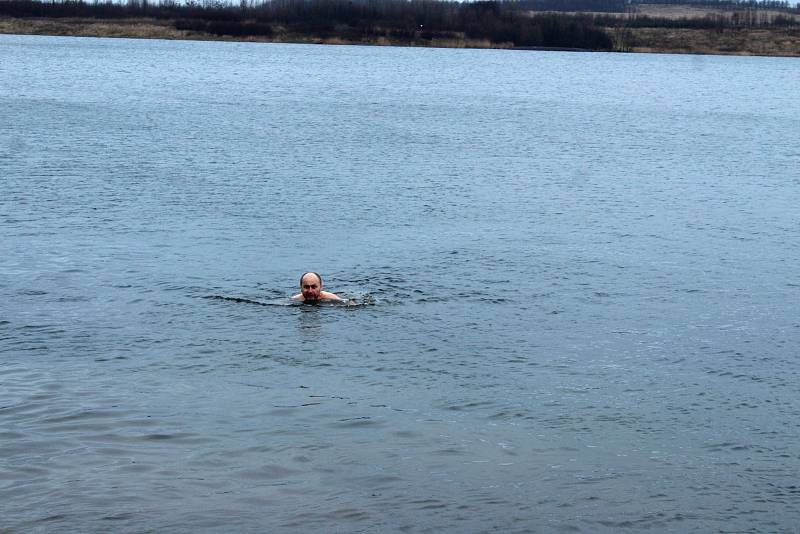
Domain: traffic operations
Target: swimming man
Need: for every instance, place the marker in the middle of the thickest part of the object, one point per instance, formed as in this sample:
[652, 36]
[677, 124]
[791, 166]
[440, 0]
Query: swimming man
[311, 289]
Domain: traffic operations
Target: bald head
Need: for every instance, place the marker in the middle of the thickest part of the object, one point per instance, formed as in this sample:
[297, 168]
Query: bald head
[311, 285]
[310, 275]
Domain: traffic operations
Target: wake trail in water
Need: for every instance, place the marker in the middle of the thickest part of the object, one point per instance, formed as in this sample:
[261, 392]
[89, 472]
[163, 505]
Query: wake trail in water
[246, 300]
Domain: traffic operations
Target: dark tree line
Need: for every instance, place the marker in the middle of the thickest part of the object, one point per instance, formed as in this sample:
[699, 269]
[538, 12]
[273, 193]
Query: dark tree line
[599, 6]
[508, 22]
[417, 21]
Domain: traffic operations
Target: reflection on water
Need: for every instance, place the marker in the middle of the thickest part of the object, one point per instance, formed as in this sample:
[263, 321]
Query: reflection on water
[575, 276]
[310, 321]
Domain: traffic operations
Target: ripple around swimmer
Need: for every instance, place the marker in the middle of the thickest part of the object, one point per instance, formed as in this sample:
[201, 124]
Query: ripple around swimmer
[365, 300]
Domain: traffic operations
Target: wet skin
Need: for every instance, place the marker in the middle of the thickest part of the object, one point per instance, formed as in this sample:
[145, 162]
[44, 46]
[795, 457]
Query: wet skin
[311, 290]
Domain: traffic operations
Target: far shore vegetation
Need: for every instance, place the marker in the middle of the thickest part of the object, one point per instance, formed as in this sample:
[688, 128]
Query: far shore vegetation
[770, 27]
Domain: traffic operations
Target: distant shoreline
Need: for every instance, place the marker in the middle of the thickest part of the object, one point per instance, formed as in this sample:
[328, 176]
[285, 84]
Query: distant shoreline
[770, 42]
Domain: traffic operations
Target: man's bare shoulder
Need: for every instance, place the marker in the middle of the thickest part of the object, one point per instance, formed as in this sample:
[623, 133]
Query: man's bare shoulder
[323, 295]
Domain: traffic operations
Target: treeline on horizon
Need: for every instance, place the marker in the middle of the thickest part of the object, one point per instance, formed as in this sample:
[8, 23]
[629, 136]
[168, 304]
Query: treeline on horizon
[518, 23]
[780, 5]
[729, 15]
[600, 6]
[415, 21]
[748, 18]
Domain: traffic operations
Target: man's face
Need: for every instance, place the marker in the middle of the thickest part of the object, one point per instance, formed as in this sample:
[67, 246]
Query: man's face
[311, 286]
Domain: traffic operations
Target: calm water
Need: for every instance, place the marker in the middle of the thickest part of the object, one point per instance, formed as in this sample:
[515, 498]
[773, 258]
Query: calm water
[584, 270]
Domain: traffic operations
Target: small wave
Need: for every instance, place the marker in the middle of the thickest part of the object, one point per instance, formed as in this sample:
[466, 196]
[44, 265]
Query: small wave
[243, 300]
[365, 300]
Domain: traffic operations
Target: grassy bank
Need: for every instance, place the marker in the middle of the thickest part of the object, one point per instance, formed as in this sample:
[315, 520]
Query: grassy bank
[743, 42]
[150, 28]
[765, 42]
[418, 22]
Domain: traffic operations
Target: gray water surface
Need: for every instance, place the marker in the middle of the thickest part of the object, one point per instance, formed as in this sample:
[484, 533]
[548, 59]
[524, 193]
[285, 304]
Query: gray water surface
[583, 271]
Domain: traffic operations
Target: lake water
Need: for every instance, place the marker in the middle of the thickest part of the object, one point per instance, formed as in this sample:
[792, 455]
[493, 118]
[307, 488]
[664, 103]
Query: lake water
[583, 269]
